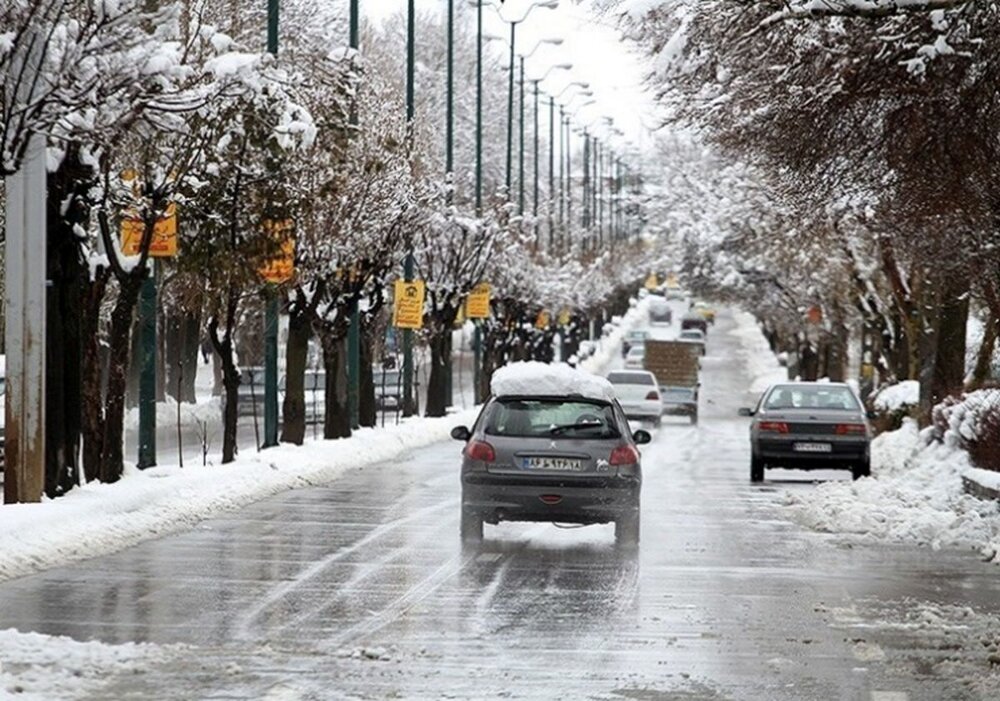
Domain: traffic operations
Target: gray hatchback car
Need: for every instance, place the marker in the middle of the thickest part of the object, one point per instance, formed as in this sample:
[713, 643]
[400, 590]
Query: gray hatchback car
[809, 426]
[565, 459]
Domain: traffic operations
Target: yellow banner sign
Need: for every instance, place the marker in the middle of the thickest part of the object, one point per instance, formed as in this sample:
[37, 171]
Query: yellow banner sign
[408, 305]
[281, 268]
[565, 317]
[164, 242]
[652, 282]
[543, 320]
[477, 306]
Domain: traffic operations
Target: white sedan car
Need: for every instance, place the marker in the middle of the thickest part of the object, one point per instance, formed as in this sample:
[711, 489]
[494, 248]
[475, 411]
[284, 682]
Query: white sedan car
[636, 357]
[638, 394]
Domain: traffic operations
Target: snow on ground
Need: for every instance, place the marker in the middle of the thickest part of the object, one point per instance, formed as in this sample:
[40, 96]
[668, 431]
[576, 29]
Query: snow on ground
[893, 398]
[36, 667]
[609, 347]
[103, 518]
[918, 499]
[760, 362]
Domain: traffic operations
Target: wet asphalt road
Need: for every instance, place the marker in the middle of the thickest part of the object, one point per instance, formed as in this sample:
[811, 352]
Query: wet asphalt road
[362, 591]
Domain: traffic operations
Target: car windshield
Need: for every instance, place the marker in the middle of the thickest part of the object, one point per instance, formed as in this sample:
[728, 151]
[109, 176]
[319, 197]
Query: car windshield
[811, 397]
[631, 378]
[696, 335]
[638, 335]
[551, 418]
[637, 351]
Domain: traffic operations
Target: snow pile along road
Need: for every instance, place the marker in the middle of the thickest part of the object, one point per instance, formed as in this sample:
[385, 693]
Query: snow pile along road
[38, 667]
[915, 495]
[102, 518]
[760, 362]
[610, 346]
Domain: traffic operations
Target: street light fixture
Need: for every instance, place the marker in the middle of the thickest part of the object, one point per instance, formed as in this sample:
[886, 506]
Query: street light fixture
[513, 22]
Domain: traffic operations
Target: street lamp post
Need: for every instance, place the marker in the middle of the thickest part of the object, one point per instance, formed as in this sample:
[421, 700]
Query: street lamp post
[354, 327]
[271, 302]
[520, 158]
[409, 408]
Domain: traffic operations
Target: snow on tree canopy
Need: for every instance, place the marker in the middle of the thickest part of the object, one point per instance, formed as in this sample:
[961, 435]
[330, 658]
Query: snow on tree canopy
[541, 379]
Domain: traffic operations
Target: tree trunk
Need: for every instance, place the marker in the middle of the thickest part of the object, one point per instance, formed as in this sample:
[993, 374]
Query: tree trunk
[223, 347]
[367, 410]
[949, 361]
[92, 393]
[112, 448]
[437, 385]
[66, 270]
[293, 408]
[336, 421]
[984, 361]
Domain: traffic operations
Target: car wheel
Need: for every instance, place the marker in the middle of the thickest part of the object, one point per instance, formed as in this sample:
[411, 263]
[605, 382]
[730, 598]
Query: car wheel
[756, 469]
[472, 527]
[861, 469]
[694, 419]
[627, 530]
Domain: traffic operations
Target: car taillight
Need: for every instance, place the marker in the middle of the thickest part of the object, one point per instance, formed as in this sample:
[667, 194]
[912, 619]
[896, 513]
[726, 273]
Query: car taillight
[652, 395]
[773, 426]
[624, 455]
[480, 450]
[850, 430]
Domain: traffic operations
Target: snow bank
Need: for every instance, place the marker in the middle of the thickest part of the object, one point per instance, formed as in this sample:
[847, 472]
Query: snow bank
[537, 379]
[192, 415]
[916, 496]
[102, 518]
[760, 361]
[38, 667]
[963, 418]
[893, 398]
[609, 347]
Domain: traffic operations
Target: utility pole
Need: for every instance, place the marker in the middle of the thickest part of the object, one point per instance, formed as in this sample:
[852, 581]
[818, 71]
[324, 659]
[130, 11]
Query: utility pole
[354, 327]
[409, 406]
[450, 165]
[534, 208]
[147, 368]
[477, 333]
[552, 170]
[520, 160]
[25, 276]
[271, 293]
[510, 110]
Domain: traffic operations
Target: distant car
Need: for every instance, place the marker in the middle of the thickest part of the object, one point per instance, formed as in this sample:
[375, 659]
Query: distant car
[552, 449]
[693, 320]
[706, 311]
[635, 357]
[809, 426]
[634, 338]
[680, 401]
[660, 313]
[675, 294]
[638, 394]
[693, 336]
[250, 393]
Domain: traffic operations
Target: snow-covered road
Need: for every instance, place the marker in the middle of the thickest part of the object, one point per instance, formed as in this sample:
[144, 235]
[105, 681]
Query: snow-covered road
[361, 590]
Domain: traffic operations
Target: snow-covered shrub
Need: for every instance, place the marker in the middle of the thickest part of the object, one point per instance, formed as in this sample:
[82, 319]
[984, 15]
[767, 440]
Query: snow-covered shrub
[971, 423]
[892, 404]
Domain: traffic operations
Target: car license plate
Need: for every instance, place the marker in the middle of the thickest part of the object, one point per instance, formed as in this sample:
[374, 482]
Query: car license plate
[553, 464]
[812, 447]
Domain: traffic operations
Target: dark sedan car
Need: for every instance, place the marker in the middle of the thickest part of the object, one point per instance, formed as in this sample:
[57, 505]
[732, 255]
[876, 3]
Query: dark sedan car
[565, 459]
[809, 426]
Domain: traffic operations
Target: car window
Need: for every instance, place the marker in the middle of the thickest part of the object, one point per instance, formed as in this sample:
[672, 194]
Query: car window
[637, 350]
[811, 397]
[532, 418]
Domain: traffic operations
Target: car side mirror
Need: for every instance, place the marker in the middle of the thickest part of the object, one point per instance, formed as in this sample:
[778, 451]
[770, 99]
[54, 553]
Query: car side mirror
[746, 411]
[642, 437]
[461, 433]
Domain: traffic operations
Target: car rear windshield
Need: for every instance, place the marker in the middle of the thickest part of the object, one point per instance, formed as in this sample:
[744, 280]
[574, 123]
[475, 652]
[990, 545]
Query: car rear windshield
[551, 418]
[811, 397]
[676, 393]
[631, 378]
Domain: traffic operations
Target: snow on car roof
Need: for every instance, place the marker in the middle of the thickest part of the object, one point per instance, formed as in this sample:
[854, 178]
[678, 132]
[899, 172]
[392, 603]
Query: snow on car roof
[544, 380]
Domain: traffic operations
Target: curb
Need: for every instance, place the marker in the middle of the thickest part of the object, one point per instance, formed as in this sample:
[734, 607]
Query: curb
[979, 491]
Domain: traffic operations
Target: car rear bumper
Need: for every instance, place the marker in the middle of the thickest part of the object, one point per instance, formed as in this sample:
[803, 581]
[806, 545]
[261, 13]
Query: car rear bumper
[782, 454]
[586, 500]
[680, 409]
